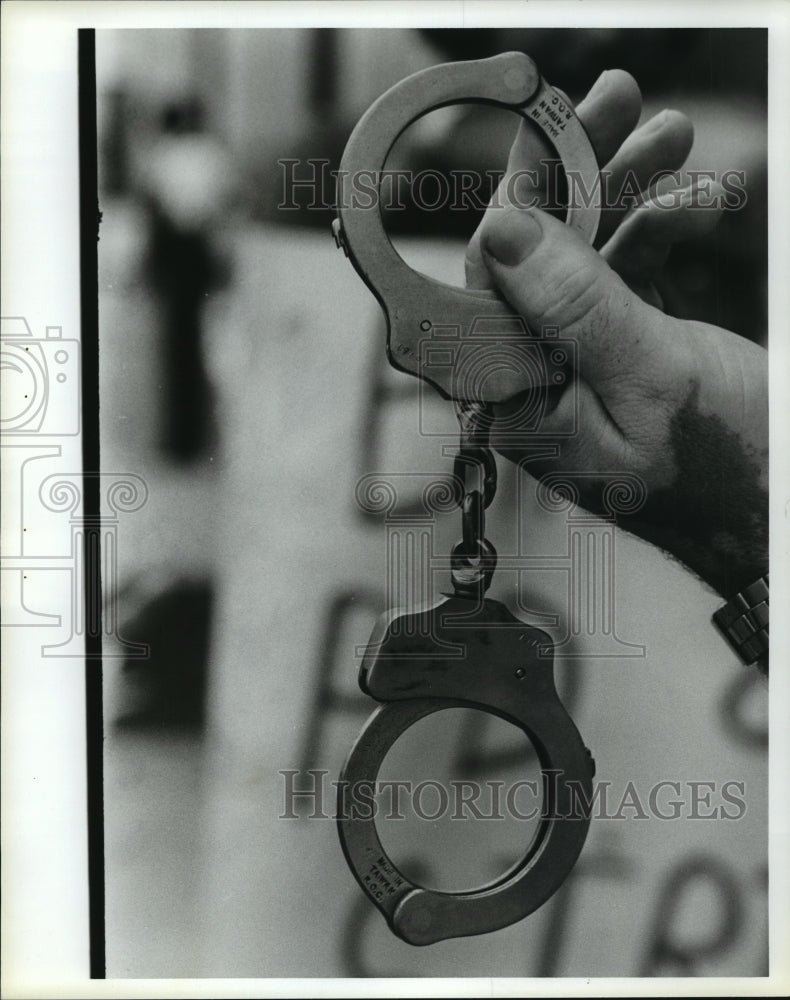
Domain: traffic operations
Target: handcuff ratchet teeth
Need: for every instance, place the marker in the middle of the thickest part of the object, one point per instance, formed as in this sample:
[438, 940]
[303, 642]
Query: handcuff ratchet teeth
[429, 322]
[465, 650]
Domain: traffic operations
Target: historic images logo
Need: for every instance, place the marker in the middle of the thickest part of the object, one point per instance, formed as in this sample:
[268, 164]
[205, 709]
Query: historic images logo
[41, 406]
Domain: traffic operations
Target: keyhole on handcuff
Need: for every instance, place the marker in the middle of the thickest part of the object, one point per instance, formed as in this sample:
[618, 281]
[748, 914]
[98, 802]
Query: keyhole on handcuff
[469, 802]
[442, 173]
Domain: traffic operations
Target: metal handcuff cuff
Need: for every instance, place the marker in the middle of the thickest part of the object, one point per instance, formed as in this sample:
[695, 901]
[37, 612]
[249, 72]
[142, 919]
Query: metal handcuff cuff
[466, 650]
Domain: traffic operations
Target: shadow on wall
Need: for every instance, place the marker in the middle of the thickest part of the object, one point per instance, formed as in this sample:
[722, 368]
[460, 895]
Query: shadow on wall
[168, 690]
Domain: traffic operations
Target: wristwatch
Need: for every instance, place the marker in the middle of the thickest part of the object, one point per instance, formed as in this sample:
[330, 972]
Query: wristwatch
[743, 621]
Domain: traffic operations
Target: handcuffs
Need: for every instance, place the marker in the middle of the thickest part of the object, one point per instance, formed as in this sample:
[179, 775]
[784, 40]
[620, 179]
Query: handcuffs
[466, 650]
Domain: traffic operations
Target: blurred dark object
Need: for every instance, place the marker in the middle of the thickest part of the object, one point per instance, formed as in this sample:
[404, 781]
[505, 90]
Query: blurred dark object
[665, 61]
[185, 192]
[168, 689]
[114, 149]
[182, 272]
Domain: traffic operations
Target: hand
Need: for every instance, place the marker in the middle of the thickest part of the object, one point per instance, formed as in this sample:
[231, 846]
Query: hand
[682, 404]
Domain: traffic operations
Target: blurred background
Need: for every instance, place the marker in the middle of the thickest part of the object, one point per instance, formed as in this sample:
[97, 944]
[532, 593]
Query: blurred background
[243, 376]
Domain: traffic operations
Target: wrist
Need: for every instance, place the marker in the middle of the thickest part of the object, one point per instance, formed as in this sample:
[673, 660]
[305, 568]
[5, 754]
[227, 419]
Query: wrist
[712, 511]
[723, 561]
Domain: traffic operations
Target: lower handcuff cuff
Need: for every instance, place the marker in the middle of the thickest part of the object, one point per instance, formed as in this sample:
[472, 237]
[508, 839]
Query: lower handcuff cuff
[466, 650]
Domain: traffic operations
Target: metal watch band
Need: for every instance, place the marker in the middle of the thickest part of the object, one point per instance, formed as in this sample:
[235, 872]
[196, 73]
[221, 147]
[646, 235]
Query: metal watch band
[743, 621]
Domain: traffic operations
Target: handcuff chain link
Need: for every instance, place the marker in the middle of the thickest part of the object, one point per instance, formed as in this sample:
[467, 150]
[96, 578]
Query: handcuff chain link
[473, 558]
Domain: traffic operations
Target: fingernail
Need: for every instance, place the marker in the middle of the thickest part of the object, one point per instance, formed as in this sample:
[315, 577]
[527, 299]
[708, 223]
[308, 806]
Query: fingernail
[512, 237]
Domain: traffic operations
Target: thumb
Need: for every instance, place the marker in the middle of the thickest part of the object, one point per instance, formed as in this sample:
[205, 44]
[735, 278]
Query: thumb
[551, 277]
